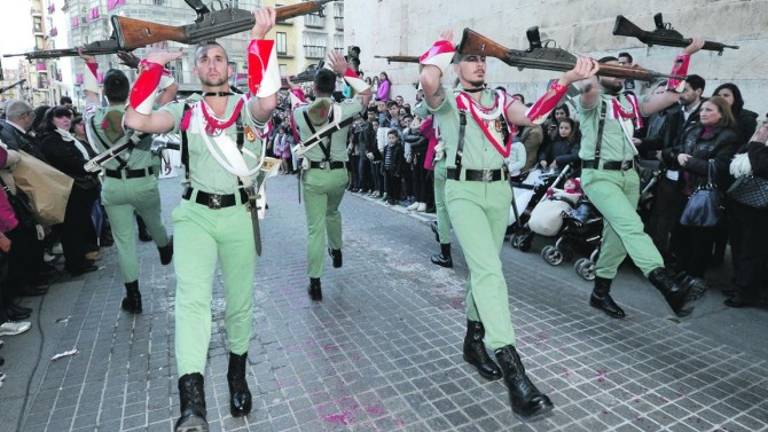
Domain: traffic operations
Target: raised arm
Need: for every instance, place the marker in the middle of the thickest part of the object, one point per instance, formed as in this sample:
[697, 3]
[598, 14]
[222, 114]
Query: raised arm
[339, 64]
[434, 62]
[656, 103]
[263, 70]
[519, 114]
[139, 114]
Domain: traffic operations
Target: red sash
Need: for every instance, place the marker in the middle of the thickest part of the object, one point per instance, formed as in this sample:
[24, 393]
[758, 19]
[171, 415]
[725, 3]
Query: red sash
[503, 148]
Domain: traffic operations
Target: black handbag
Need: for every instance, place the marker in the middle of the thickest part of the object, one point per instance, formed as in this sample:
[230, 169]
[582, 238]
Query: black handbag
[703, 206]
[751, 191]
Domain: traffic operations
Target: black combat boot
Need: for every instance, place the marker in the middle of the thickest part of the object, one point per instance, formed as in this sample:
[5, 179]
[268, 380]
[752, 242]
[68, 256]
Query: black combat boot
[675, 292]
[132, 300]
[166, 252]
[336, 255]
[527, 401]
[315, 293]
[475, 353]
[239, 394]
[601, 299]
[192, 397]
[443, 259]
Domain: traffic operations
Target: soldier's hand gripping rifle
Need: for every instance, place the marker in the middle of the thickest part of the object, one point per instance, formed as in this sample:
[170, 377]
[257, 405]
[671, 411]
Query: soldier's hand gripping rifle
[663, 35]
[400, 58]
[543, 57]
[210, 24]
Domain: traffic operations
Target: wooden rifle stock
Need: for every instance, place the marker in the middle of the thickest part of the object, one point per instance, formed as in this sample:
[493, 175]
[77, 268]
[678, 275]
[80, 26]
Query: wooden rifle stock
[542, 57]
[134, 33]
[400, 58]
[663, 35]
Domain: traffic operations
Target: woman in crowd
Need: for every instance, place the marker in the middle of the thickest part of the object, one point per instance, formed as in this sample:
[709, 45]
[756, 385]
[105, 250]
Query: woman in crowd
[713, 141]
[748, 226]
[564, 149]
[64, 152]
[383, 89]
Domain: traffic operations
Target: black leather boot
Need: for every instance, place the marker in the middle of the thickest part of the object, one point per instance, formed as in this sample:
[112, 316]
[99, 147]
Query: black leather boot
[239, 394]
[475, 353]
[443, 259]
[674, 292]
[315, 292]
[527, 401]
[166, 252]
[601, 299]
[336, 255]
[132, 300]
[192, 397]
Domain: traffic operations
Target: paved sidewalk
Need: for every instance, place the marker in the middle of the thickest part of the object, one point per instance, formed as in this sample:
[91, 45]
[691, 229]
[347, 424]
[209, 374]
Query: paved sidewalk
[382, 352]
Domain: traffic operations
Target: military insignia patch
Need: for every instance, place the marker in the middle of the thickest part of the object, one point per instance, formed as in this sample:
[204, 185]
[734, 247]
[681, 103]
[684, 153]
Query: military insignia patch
[250, 135]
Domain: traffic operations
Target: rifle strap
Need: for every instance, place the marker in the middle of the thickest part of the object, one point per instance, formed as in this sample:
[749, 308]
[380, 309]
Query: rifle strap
[462, 134]
[121, 162]
[600, 127]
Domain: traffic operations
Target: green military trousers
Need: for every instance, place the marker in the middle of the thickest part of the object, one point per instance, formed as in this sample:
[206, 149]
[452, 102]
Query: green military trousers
[615, 194]
[121, 197]
[443, 221]
[201, 237]
[323, 191]
[479, 213]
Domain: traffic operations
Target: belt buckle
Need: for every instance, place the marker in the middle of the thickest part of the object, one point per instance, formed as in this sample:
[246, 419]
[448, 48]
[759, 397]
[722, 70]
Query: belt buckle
[626, 165]
[214, 201]
[325, 164]
[487, 175]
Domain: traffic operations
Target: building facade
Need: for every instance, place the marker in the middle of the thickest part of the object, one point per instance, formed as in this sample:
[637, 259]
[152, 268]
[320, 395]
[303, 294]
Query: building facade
[388, 27]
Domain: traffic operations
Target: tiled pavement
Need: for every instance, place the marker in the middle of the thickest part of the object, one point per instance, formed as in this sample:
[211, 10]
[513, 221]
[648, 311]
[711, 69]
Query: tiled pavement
[382, 352]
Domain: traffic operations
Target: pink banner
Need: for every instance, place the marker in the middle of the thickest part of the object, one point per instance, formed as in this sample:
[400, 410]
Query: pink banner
[111, 4]
[40, 67]
[93, 14]
[74, 22]
[51, 8]
[54, 32]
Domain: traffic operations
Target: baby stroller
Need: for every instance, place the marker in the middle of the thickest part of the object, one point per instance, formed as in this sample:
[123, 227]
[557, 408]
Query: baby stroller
[577, 225]
[526, 195]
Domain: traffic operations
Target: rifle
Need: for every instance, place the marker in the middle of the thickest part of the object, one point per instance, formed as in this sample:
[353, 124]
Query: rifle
[210, 24]
[8, 87]
[108, 46]
[663, 35]
[543, 57]
[400, 58]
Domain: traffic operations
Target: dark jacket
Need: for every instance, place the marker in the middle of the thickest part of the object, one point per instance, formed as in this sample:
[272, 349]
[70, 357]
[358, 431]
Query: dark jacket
[562, 151]
[65, 157]
[703, 144]
[416, 140]
[758, 158]
[363, 137]
[397, 161]
[15, 140]
[746, 122]
[667, 128]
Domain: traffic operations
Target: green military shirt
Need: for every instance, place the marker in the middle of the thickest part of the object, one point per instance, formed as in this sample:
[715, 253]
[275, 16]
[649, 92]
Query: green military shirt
[478, 152]
[616, 145]
[205, 173]
[140, 156]
[349, 107]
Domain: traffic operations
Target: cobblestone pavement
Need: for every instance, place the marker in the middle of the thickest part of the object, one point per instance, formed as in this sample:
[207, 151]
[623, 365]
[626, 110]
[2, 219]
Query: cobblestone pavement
[382, 352]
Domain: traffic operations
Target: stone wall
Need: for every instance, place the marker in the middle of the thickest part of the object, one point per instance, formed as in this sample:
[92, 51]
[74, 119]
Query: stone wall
[388, 27]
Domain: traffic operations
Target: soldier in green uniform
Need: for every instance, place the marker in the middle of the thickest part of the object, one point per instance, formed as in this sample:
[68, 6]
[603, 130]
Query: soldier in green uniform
[442, 226]
[609, 178]
[324, 172]
[130, 180]
[221, 147]
[475, 126]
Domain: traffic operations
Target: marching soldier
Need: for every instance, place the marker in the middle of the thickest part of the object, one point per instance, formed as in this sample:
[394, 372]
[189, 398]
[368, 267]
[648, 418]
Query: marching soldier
[608, 118]
[475, 125]
[222, 144]
[130, 183]
[324, 172]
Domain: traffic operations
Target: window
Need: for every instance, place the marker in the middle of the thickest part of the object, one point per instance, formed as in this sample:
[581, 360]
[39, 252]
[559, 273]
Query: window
[315, 45]
[283, 70]
[282, 43]
[37, 23]
[314, 20]
[338, 42]
[338, 15]
[158, 2]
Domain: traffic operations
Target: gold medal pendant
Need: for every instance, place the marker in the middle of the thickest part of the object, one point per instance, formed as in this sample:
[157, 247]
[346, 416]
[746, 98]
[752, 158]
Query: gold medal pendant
[250, 135]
